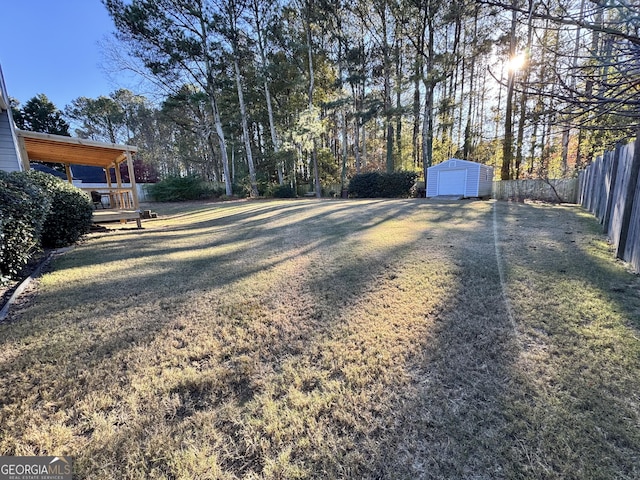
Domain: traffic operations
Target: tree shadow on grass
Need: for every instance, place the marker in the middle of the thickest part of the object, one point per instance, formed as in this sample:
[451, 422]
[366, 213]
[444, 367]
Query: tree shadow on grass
[573, 403]
[254, 353]
[225, 228]
[163, 290]
[479, 406]
[449, 421]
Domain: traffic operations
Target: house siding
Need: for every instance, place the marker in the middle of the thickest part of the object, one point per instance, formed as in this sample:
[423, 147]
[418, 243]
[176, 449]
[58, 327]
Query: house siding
[9, 156]
[485, 181]
[473, 172]
[9, 160]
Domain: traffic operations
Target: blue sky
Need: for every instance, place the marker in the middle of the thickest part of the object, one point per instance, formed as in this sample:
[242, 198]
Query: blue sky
[51, 47]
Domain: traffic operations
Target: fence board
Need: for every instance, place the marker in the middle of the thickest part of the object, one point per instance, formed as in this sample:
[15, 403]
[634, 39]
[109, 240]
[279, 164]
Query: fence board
[609, 188]
[598, 183]
[629, 232]
[619, 192]
[590, 183]
[609, 183]
[607, 174]
[632, 251]
[591, 170]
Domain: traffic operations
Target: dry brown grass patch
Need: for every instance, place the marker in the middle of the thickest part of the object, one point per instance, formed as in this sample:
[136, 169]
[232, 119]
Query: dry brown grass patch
[303, 339]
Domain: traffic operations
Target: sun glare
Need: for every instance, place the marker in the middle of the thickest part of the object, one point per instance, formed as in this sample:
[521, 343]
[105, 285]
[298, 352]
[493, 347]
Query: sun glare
[517, 63]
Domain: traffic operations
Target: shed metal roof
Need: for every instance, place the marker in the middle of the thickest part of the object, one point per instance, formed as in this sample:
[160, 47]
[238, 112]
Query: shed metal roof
[458, 163]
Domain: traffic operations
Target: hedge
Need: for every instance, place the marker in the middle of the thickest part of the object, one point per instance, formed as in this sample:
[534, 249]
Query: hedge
[382, 185]
[38, 210]
[23, 210]
[71, 212]
[283, 191]
[177, 189]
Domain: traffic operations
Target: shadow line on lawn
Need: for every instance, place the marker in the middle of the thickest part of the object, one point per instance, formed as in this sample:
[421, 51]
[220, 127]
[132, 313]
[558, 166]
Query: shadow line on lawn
[572, 406]
[443, 391]
[451, 423]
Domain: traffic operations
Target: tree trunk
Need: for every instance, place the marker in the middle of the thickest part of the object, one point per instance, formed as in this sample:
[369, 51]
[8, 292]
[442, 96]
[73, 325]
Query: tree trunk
[255, 7]
[245, 130]
[386, 66]
[566, 131]
[223, 145]
[398, 98]
[523, 95]
[314, 156]
[343, 174]
[415, 143]
[507, 146]
[427, 127]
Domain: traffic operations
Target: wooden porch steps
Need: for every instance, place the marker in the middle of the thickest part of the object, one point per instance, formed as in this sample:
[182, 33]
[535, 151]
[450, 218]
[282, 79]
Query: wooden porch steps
[114, 215]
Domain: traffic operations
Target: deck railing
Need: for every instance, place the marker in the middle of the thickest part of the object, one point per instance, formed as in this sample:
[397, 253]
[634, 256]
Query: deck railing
[114, 197]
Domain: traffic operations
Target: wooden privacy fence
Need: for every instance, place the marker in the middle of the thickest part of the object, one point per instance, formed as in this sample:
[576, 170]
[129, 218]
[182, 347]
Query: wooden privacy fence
[609, 189]
[563, 190]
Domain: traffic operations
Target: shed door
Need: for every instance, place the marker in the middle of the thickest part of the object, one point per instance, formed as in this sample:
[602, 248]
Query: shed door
[452, 182]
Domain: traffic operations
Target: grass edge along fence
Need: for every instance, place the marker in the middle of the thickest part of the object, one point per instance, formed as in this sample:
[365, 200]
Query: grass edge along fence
[609, 189]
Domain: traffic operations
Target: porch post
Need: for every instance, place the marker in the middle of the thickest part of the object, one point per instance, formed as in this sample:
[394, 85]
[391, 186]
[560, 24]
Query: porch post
[118, 196]
[67, 170]
[134, 189]
[132, 179]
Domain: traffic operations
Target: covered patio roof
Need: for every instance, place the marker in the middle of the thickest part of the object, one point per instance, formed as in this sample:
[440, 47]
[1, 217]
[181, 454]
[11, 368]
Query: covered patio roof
[45, 147]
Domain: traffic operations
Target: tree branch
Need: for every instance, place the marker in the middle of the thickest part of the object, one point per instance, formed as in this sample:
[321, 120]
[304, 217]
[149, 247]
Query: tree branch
[566, 21]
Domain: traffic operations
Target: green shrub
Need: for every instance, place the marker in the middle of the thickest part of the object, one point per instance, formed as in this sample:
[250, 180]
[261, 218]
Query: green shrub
[400, 184]
[70, 214]
[178, 189]
[283, 191]
[382, 185]
[366, 185]
[240, 190]
[23, 209]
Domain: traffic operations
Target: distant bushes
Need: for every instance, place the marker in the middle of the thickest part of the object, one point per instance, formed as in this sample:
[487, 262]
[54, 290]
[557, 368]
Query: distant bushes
[178, 189]
[38, 210]
[193, 187]
[368, 185]
[382, 185]
[283, 191]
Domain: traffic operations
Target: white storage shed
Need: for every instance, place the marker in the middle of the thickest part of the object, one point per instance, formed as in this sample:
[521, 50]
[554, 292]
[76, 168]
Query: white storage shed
[459, 177]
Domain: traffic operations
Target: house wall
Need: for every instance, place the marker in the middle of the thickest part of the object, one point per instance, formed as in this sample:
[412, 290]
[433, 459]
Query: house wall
[9, 156]
[432, 182]
[473, 177]
[9, 160]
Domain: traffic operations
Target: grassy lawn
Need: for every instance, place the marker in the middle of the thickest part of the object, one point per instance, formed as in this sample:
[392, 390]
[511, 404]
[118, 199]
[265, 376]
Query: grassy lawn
[331, 339]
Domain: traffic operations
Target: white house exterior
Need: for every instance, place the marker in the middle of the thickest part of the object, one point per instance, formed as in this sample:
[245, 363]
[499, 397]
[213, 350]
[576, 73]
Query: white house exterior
[462, 178]
[10, 159]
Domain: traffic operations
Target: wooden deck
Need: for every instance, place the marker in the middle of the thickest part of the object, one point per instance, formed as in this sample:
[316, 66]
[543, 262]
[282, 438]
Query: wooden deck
[116, 215]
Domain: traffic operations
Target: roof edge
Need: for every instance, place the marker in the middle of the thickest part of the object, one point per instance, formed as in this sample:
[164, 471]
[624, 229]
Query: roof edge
[75, 141]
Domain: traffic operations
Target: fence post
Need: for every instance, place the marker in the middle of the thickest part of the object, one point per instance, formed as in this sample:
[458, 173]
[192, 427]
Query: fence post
[630, 196]
[592, 184]
[612, 182]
